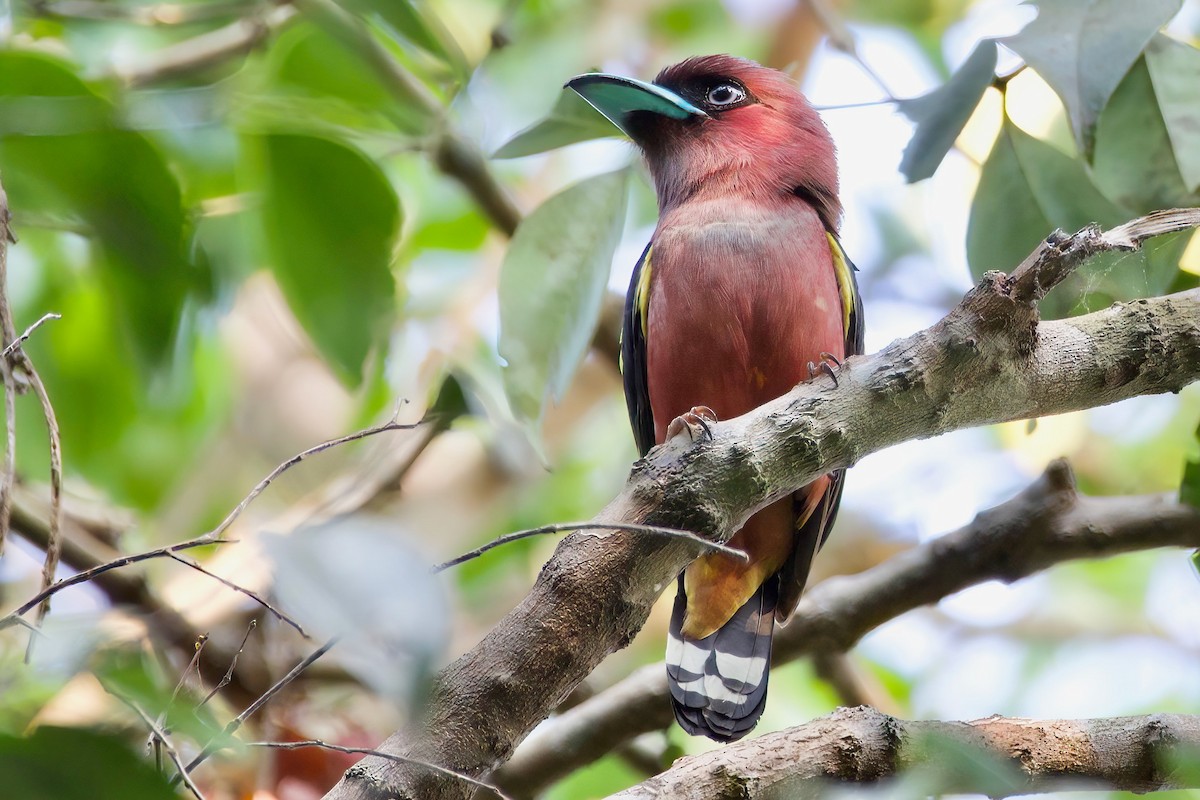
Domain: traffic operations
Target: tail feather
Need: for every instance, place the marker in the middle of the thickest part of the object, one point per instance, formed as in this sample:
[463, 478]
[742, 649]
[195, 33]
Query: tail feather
[719, 683]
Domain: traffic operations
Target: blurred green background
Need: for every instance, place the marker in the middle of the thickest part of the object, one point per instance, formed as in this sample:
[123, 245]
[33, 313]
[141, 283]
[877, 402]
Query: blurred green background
[264, 224]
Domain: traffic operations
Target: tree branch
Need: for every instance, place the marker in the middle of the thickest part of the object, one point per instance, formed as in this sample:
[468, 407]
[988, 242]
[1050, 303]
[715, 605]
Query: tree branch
[863, 745]
[987, 361]
[1047, 523]
[206, 50]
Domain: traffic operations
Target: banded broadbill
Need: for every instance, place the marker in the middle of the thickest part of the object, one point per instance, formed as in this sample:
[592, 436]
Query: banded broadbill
[742, 289]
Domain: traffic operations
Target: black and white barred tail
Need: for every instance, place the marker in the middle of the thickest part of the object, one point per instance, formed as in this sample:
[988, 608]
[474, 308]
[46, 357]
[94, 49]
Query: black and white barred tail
[719, 683]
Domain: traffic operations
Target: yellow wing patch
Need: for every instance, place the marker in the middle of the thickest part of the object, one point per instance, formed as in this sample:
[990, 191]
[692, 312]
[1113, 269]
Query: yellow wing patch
[845, 280]
[641, 293]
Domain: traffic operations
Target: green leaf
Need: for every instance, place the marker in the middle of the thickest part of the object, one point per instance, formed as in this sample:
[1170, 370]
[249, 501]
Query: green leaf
[571, 120]
[1083, 48]
[331, 219]
[77, 764]
[327, 83]
[422, 28]
[552, 286]
[1189, 487]
[1135, 161]
[1175, 74]
[1027, 189]
[941, 114]
[131, 675]
[64, 155]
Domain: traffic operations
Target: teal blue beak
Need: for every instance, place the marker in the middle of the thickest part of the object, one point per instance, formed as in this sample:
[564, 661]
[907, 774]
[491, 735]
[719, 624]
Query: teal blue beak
[617, 98]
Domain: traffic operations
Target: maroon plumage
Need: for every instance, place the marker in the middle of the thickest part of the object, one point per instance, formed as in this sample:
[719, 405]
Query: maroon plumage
[743, 287]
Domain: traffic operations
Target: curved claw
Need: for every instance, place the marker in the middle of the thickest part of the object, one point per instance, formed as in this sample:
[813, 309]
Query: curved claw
[693, 422]
[824, 366]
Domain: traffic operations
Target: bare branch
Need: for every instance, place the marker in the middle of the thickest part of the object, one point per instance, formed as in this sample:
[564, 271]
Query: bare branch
[89, 574]
[1047, 523]
[989, 360]
[213, 536]
[7, 334]
[14, 359]
[208, 49]
[861, 745]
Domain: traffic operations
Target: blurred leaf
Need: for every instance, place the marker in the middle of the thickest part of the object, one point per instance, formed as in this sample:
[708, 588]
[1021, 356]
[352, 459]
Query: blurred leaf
[1175, 74]
[552, 286]
[571, 120]
[151, 431]
[1189, 487]
[307, 62]
[77, 764]
[421, 27]
[353, 578]
[131, 675]
[1083, 48]
[952, 765]
[331, 219]
[1134, 161]
[65, 155]
[941, 114]
[450, 402]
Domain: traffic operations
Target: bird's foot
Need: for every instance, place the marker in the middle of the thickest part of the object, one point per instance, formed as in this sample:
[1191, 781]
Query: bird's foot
[694, 423]
[827, 359]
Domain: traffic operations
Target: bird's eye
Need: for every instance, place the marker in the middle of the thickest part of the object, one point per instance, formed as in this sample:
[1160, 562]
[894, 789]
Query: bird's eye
[725, 94]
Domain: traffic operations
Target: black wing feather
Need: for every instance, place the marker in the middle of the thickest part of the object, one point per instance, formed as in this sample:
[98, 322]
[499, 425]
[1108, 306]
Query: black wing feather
[633, 365]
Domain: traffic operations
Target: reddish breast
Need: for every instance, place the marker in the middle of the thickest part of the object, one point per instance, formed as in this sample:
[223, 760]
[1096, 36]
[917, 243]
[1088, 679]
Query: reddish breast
[747, 289]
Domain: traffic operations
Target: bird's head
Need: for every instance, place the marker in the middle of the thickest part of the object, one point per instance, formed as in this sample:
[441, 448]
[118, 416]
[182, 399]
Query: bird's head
[722, 124]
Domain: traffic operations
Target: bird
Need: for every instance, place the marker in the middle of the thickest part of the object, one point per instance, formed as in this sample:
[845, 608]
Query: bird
[743, 292]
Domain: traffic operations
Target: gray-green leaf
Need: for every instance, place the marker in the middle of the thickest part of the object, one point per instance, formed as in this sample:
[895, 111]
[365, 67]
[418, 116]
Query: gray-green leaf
[552, 286]
[1026, 190]
[1083, 48]
[1175, 73]
[941, 114]
[571, 120]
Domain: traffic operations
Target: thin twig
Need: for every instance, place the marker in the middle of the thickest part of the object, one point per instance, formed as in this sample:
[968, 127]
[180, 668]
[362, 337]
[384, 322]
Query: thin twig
[228, 677]
[213, 536]
[255, 596]
[230, 729]
[160, 736]
[842, 39]
[158, 15]
[54, 548]
[194, 664]
[568, 527]
[367, 751]
[13, 345]
[887, 101]
[15, 358]
[260, 487]
[7, 334]
[89, 574]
